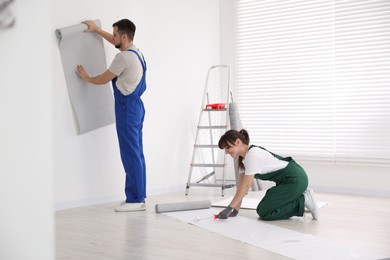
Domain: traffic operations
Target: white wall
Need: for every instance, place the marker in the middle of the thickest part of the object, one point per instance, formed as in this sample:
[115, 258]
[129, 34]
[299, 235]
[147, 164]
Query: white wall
[352, 179]
[38, 141]
[26, 214]
[180, 42]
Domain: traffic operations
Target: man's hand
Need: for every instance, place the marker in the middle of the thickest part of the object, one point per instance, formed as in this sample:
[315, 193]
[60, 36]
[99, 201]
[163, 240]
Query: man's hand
[82, 73]
[228, 212]
[92, 27]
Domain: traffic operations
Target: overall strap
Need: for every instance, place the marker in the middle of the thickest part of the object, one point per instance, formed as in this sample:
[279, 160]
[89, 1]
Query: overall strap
[141, 60]
[274, 154]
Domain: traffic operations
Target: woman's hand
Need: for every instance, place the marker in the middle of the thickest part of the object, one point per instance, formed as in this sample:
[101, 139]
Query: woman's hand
[224, 214]
[228, 212]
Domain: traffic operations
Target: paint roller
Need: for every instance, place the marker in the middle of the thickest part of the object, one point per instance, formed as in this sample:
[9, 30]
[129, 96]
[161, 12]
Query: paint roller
[182, 206]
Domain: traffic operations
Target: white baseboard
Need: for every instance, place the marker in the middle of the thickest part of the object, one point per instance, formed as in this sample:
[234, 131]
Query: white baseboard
[87, 202]
[341, 190]
[109, 199]
[265, 185]
[351, 191]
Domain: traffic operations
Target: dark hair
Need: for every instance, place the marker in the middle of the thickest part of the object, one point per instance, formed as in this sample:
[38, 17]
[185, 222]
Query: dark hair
[125, 26]
[228, 139]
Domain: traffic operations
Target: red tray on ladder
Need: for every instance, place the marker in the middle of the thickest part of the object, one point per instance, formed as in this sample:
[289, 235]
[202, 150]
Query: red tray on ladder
[216, 106]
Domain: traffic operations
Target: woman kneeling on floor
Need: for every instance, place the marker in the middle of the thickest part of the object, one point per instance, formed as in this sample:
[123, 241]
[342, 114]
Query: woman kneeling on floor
[290, 195]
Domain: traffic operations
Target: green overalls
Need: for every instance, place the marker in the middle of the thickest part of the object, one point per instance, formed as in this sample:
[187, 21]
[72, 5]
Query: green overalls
[286, 198]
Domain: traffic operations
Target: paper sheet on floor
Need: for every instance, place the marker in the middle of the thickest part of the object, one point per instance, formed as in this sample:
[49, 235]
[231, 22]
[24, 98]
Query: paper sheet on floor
[93, 105]
[281, 241]
[251, 203]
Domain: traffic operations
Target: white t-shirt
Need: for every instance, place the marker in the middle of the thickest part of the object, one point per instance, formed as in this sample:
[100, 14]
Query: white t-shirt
[260, 161]
[128, 68]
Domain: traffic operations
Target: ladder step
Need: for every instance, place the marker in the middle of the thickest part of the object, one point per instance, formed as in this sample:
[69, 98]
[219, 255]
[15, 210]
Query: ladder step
[212, 110]
[207, 165]
[213, 127]
[206, 146]
[226, 186]
[216, 123]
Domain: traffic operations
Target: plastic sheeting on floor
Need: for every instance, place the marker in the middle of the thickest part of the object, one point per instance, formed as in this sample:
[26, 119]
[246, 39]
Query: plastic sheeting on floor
[281, 241]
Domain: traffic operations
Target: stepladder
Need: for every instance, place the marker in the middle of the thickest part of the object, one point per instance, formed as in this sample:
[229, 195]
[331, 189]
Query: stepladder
[208, 162]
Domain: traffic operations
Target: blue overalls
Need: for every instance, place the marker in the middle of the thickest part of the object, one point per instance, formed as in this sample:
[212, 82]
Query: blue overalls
[129, 114]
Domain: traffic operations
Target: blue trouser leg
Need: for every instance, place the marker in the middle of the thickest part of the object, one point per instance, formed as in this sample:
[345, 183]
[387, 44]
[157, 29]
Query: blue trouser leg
[143, 164]
[130, 116]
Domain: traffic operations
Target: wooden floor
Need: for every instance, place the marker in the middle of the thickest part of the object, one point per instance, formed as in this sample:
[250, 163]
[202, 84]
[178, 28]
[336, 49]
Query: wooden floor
[97, 232]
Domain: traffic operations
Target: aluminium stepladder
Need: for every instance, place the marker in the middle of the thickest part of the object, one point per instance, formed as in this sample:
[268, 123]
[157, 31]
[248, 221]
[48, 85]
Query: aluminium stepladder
[213, 122]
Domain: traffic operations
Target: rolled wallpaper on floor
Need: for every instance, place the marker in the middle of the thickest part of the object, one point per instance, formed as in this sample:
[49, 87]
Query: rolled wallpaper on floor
[93, 105]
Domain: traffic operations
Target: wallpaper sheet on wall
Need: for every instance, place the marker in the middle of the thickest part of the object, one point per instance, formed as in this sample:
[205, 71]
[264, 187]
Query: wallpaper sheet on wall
[93, 105]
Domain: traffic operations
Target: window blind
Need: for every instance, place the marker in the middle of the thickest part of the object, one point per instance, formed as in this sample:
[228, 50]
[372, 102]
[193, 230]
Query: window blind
[312, 78]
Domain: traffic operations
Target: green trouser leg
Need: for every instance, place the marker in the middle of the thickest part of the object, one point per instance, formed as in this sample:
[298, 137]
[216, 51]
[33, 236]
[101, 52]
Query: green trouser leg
[286, 198]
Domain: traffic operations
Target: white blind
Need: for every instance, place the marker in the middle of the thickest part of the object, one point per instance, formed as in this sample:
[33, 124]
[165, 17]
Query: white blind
[312, 78]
